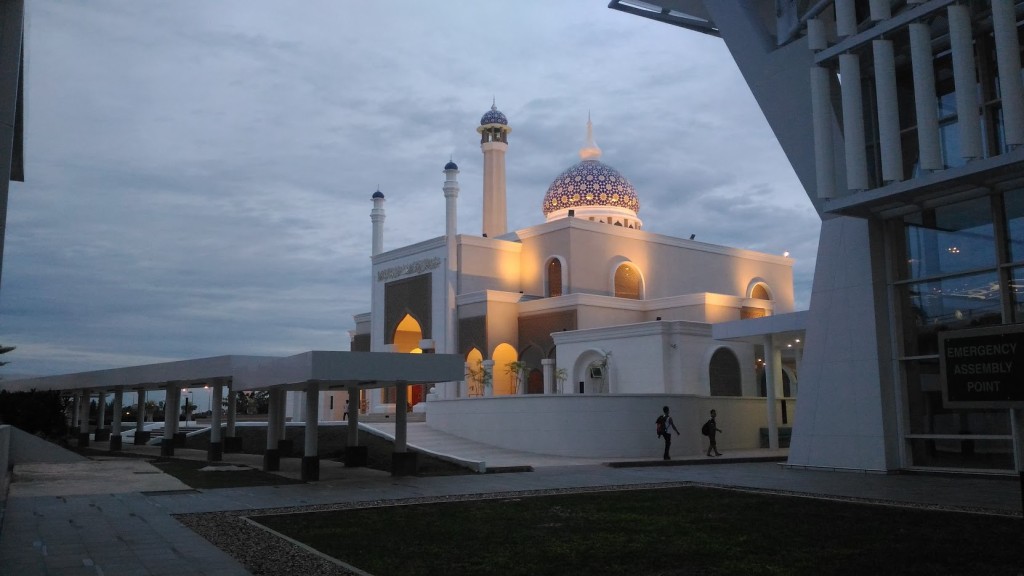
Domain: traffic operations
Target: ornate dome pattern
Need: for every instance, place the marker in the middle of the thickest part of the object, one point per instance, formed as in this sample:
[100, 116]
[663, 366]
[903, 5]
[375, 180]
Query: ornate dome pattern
[493, 116]
[590, 183]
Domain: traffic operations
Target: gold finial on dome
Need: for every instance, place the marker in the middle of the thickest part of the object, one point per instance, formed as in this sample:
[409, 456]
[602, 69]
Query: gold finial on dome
[590, 150]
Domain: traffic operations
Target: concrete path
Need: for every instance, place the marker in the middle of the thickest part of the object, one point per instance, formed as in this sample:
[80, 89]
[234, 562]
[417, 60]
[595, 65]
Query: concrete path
[105, 531]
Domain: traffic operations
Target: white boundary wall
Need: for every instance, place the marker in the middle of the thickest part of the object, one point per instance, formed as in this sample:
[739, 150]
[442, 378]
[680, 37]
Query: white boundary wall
[603, 426]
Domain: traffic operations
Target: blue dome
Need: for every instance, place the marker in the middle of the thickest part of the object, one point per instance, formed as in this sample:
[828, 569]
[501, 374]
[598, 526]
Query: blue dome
[590, 183]
[451, 166]
[378, 194]
[493, 116]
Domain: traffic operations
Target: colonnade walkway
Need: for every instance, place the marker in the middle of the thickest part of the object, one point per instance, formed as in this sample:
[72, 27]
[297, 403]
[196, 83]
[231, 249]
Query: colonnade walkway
[110, 515]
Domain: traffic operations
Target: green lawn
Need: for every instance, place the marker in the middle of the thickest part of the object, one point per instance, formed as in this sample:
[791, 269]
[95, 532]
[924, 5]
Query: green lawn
[671, 531]
[189, 472]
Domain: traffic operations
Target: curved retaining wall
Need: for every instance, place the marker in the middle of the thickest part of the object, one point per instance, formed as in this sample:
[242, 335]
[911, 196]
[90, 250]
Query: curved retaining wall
[603, 426]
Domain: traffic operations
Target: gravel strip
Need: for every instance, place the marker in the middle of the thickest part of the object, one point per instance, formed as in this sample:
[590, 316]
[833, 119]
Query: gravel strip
[265, 554]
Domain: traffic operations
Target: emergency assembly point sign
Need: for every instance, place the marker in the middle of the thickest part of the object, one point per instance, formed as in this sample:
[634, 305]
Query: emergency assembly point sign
[983, 368]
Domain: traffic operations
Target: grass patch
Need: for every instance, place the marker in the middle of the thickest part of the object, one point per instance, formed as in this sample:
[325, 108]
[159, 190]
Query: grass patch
[188, 471]
[671, 531]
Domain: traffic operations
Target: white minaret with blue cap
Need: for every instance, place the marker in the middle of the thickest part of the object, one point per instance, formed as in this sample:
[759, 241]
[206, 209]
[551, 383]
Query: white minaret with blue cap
[377, 219]
[494, 131]
[450, 390]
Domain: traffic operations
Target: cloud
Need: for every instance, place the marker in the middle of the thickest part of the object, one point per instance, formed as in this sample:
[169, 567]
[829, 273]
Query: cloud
[199, 174]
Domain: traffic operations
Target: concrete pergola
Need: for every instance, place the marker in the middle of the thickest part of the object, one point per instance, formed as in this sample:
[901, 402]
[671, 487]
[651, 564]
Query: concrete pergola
[312, 372]
[774, 333]
[309, 372]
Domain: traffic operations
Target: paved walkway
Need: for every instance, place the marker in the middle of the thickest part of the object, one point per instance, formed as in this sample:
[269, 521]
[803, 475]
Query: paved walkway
[110, 520]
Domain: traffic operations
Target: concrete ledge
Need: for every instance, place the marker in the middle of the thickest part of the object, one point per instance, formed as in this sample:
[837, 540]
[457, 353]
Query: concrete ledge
[310, 468]
[695, 461]
[404, 463]
[271, 460]
[356, 456]
[232, 444]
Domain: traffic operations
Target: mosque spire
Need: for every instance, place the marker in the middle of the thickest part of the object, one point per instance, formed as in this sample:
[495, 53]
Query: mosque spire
[590, 150]
[493, 132]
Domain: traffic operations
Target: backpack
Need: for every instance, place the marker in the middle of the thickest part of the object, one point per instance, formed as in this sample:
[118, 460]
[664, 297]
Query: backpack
[706, 428]
[660, 425]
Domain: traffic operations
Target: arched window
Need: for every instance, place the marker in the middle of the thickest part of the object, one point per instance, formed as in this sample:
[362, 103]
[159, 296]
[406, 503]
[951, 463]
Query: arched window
[554, 272]
[627, 282]
[760, 292]
[724, 370]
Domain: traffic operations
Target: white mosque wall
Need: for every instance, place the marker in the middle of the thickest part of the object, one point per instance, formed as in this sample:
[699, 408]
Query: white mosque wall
[600, 426]
[488, 264]
[669, 266]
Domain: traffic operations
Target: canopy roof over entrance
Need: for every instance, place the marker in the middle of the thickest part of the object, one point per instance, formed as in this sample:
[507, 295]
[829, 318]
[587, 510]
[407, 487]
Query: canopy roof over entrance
[327, 369]
[352, 370]
[782, 327]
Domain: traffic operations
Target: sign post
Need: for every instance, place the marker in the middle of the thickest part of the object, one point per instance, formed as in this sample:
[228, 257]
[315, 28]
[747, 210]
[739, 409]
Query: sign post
[984, 368]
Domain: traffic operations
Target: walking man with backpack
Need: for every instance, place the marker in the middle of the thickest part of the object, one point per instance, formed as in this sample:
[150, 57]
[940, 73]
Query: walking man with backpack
[665, 422]
[709, 429]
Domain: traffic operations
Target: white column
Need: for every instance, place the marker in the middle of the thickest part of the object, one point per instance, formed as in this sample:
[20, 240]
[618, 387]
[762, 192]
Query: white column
[880, 10]
[772, 365]
[817, 37]
[282, 414]
[115, 422]
[488, 366]
[310, 446]
[853, 122]
[846, 17]
[547, 366]
[401, 417]
[232, 412]
[83, 412]
[888, 111]
[140, 413]
[965, 80]
[353, 417]
[171, 399]
[273, 419]
[101, 409]
[824, 148]
[215, 408]
[925, 101]
[1004, 23]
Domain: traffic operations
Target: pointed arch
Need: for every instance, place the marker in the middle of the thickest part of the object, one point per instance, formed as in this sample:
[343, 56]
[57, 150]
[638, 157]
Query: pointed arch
[475, 372]
[555, 277]
[627, 281]
[504, 384]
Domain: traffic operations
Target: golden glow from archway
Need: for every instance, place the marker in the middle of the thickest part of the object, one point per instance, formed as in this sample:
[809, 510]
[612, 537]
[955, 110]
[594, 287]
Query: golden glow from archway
[504, 384]
[474, 376]
[408, 335]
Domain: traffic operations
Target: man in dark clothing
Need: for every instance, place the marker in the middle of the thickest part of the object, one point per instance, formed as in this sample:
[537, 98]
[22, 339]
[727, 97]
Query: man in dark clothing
[712, 430]
[666, 424]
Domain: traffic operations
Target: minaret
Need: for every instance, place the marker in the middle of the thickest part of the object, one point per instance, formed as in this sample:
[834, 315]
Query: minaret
[451, 194]
[494, 131]
[377, 218]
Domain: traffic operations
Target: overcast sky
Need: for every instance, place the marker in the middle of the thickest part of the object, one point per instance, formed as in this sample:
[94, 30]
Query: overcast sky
[198, 173]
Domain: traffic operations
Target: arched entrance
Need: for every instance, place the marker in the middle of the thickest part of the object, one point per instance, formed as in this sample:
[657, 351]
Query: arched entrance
[504, 382]
[407, 340]
[475, 373]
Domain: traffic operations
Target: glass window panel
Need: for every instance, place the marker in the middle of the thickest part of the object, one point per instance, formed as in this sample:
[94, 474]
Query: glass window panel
[1014, 202]
[962, 454]
[950, 239]
[947, 304]
[949, 138]
[1017, 290]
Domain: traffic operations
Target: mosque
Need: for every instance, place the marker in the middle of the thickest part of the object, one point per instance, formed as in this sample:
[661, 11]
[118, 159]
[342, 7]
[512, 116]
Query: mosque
[587, 304]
